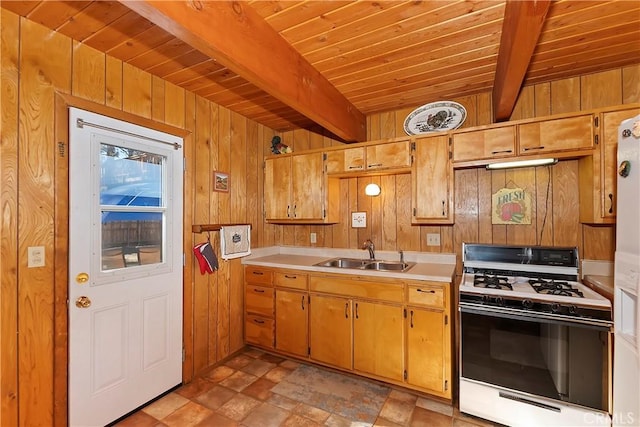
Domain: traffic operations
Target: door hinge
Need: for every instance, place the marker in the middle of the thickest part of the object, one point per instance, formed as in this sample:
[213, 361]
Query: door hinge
[597, 121]
[413, 146]
[184, 164]
[596, 138]
[446, 385]
[450, 141]
[324, 213]
[414, 211]
[405, 374]
[61, 149]
[184, 259]
[446, 319]
[184, 354]
[405, 313]
[308, 351]
[324, 156]
[450, 155]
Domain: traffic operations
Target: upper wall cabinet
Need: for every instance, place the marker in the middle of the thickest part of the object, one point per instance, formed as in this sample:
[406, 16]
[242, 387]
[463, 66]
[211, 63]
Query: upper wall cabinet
[370, 158]
[599, 172]
[556, 135]
[432, 181]
[490, 143]
[296, 190]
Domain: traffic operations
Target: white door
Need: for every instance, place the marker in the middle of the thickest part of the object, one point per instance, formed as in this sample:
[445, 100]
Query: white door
[125, 266]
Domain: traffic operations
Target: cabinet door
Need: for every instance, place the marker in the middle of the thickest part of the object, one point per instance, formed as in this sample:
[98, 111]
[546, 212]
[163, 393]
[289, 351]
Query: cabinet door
[258, 330]
[330, 330]
[277, 188]
[609, 149]
[484, 144]
[378, 339]
[432, 181]
[566, 134]
[389, 156]
[307, 186]
[428, 350]
[345, 160]
[291, 322]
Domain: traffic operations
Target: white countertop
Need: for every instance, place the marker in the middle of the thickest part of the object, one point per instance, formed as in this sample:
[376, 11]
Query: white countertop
[438, 267]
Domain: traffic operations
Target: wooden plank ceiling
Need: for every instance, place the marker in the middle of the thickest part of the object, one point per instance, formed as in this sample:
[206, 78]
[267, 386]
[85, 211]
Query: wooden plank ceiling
[338, 61]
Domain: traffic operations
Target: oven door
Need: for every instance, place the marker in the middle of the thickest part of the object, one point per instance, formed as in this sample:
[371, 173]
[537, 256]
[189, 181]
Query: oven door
[539, 354]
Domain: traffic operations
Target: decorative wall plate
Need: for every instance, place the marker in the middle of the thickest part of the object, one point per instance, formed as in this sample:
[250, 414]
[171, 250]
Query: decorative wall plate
[435, 117]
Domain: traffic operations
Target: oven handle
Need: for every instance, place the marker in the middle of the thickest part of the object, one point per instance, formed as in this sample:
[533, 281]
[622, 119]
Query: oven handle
[510, 313]
[528, 401]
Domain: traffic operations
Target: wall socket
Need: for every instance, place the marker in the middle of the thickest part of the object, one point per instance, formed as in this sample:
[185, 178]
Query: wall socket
[313, 238]
[433, 239]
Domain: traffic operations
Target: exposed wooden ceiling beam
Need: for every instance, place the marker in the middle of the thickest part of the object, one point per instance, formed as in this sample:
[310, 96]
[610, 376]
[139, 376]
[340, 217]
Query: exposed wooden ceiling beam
[523, 21]
[233, 34]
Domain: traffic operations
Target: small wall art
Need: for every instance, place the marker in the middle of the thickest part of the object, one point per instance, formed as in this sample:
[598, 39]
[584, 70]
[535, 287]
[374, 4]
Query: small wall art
[511, 206]
[221, 182]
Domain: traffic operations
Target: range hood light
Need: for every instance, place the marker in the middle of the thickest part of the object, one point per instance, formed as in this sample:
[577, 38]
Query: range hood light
[522, 163]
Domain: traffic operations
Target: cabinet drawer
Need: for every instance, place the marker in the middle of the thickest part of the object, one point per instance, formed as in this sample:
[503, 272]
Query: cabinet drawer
[484, 144]
[432, 295]
[292, 280]
[258, 275]
[353, 287]
[259, 300]
[259, 330]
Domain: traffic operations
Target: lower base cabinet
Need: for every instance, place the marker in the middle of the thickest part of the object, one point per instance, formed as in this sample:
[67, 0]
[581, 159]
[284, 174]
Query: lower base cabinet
[378, 339]
[428, 350]
[390, 330]
[330, 330]
[291, 320]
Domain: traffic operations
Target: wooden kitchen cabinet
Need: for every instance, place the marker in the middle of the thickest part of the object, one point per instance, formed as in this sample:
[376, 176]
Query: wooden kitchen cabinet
[556, 135]
[259, 306]
[291, 322]
[330, 332]
[429, 337]
[432, 181]
[483, 144]
[370, 158]
[378, 344]
[598, 173]
[296, 190]
[428, 350]
[292, 312]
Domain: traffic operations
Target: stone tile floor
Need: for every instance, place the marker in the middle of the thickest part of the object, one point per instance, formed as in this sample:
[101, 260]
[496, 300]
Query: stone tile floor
[258, 389]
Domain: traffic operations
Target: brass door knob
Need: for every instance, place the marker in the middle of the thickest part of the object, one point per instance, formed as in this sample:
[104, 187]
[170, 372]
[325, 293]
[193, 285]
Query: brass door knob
[83, 302]
[82, 278]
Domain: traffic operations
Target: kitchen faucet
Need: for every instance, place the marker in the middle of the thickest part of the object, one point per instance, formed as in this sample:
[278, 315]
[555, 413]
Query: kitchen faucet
[368, 244]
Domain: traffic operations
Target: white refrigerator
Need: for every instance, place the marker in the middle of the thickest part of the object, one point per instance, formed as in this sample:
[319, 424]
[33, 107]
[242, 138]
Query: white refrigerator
[626, 363]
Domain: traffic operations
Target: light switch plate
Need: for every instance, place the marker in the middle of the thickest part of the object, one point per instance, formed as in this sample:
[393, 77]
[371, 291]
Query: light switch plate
[358, 219]
[35, 256]
[313, 237]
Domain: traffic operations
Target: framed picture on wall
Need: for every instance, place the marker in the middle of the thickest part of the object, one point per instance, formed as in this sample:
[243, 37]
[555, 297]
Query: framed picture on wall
[221, 181]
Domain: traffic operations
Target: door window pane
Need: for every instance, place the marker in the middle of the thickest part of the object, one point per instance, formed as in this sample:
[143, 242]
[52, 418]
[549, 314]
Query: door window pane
[132, 206]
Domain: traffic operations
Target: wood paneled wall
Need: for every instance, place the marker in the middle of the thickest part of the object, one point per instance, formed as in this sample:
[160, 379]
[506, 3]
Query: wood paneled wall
[37, 64]
[555, 219]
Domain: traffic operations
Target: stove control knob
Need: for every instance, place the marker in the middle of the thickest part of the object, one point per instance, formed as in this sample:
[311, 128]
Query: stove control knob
[527, 303]
[573, 309]
[555, 307]
[499, 301]
[486, 299]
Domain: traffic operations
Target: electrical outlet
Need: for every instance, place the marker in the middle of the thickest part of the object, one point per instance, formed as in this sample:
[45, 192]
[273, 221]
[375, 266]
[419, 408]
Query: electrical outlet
[313, 238]
[358, 219]
[433, 239]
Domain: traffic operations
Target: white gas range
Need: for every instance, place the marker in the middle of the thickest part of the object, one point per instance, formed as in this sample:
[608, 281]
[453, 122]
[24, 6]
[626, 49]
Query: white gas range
[535, 343]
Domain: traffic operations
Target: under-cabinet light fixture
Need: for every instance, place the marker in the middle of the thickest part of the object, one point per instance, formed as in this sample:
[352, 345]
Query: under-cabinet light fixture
[522, 163]
[372, 190]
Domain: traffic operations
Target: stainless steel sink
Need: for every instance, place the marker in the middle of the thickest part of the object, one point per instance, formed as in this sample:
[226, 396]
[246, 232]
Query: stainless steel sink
[367, 264]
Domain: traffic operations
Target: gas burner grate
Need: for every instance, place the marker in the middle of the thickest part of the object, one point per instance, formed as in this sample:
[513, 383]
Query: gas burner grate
[491, 282]
[554, 287]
